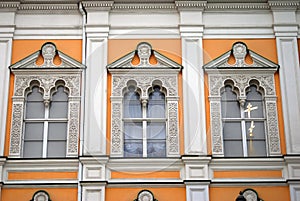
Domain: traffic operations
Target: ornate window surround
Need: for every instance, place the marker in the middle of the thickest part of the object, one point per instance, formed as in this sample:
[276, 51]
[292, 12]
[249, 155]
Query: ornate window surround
[145, 75]
[47, 75]
[242, 74]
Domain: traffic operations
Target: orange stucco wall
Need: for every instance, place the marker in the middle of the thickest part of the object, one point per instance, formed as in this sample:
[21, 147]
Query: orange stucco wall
[161, 194]
[141, 175]
[271, 193]
[22, 49]
[25, 194]
[213, 48]
[41, 175]
[248, 174]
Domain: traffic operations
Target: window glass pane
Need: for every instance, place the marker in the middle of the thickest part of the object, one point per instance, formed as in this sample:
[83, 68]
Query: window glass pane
[132, 105]
[57, 131]
[133, 130]
[156, 104]
[255, 99]
[256, 148]
[232, 130]
[133, 148]
[230, 109]
[229, 104]
[56, 149]
[233, 148]
[35, 107]
[33, 149]
[156, 148]
[59, 104]
[258, 130]
[156, 130]
[34, 131]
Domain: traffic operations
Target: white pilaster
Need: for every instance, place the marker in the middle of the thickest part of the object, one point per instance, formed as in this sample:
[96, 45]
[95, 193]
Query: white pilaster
[196, 192]
[191, 30]
[96, 77]
[286, 31]
[7, 17]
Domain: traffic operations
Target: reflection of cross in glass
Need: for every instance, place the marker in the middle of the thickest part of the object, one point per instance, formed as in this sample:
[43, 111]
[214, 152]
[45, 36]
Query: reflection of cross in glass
[249, 109]
[252, 126]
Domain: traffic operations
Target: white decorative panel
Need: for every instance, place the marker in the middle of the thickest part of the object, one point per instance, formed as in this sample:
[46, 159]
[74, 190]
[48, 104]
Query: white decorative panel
[93, 193]
[193, 97]
[197, 192]
[95, 113]
[5, 49]
[290, 90]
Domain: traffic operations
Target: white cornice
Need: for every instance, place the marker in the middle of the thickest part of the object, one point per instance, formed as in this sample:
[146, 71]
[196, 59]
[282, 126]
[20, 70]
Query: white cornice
[142, 6]
[9, 5]
[71, 5]
[284, 4]
[236, 6]
[49, 8]
[183, 5]
[98, 5]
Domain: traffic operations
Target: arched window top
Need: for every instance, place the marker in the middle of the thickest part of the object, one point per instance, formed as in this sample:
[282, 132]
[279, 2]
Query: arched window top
[34, 91]
[40, 195]
[228, 93]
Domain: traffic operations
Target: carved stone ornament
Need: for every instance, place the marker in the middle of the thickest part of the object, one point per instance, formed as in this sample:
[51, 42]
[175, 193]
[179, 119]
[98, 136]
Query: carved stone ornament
[242, 74]
[46, 77]
[144, 75]
[145, 195]
[251, 195]
[41, 196]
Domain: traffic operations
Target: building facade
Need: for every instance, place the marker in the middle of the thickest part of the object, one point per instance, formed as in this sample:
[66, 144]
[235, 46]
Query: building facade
[136, 100]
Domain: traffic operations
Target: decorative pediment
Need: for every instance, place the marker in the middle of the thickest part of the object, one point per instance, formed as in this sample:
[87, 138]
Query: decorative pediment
[48, 53]
[143, 56]
[239, 52]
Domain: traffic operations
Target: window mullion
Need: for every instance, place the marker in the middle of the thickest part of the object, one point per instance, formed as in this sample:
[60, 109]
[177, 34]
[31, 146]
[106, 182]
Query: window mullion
[45, 134]
[144, 105]
[244, 132]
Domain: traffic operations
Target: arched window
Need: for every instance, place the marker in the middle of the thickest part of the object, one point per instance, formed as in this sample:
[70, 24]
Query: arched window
[243, 123]
[232, 127]
[243, 104]
[46, 105]
[255, 123]
[144, 105]
[156, 125]
[45, 133]
[58, 122]
[34, 123]
[133, 124]
[144, 123]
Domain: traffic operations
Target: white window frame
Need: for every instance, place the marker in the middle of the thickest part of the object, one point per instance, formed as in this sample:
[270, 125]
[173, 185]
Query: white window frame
[242, 74]
[47, 75]
[145, 75]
